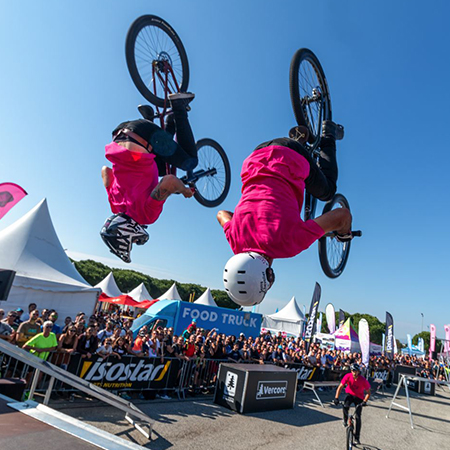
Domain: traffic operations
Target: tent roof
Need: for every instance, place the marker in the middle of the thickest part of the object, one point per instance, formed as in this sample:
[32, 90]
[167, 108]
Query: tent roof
[140, 293]
[31, 247]
[171, 294]
[206, 299]
[109, 287]
[290, 313]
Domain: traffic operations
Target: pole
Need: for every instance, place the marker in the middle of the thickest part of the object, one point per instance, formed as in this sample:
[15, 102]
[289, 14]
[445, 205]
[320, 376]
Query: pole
[422, 322]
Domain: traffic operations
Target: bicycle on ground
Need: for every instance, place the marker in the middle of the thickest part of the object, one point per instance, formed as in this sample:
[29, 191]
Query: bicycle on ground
[158, 66]
[311, 102]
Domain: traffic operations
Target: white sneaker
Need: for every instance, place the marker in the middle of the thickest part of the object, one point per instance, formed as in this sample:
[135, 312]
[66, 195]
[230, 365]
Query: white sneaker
[166, 397]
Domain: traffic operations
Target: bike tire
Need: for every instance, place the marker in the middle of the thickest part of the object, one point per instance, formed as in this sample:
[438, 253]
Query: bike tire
[211, 190]
[349, 440]
[333, 255]
[151, 39]
[306, 75]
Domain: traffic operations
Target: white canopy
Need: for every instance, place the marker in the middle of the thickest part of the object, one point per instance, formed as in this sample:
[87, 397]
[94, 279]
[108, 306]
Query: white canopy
[206, 299]
[171, 294]
[140, 293]
[44, 273]
[289, 320]
[109, 286]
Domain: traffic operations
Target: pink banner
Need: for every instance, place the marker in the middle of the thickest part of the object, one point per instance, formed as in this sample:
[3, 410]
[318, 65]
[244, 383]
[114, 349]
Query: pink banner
[447, 338]
[432, 339]
[10, 195]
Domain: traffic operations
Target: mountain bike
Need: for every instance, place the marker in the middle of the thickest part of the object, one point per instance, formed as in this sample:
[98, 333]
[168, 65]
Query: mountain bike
[311, 102]
[158, 66]
[350, 430]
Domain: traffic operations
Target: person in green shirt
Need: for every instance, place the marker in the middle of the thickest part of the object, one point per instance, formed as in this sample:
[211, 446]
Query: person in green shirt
[43, 343]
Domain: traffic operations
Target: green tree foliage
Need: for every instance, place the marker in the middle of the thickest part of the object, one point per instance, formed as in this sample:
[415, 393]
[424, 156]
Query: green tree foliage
[425, 335]
[127, 280]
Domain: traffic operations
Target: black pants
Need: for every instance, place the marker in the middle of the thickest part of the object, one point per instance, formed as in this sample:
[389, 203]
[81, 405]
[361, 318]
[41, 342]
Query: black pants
[322, 178]
[347, 403]
[185, 156]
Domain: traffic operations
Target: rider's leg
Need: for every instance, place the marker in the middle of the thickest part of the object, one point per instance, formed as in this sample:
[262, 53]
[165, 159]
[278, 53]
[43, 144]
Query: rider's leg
[346, 407]
[358, 419]
[107, 175]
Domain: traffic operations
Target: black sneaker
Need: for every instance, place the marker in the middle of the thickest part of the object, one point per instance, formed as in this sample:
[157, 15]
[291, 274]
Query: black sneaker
[332, 130]
[147, 112]
[344, 424]
[179, 100]
[356, 440]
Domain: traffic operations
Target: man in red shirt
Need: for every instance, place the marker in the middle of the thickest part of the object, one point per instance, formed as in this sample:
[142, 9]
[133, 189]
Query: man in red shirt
[358, 392]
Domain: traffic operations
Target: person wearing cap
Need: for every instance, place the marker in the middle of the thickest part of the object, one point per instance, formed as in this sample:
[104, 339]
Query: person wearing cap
[191, 329]
[358, 393]
[139, 153]
[43, 343]
[18, 320]
[7, 332]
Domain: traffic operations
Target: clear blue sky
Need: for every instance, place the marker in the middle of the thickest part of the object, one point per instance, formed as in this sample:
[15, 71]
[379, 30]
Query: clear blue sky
[65, 86]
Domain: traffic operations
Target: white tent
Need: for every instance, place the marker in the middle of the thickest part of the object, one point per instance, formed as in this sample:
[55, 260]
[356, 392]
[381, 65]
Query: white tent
[140, 293]
[170, 294]
[44, 273]
[206, 299]
[109, 286]
[289, 320]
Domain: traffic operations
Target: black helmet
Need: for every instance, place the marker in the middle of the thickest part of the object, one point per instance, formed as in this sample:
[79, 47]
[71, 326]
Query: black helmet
[120, 232]
[355, 367]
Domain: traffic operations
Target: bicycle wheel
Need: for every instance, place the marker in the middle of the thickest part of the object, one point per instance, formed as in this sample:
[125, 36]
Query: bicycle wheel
[156, 59]
[310, 95]
[213, 172]
[349, 438]
[333, 255]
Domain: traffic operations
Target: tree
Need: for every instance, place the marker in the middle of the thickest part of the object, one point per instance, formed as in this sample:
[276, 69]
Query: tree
[425, 335]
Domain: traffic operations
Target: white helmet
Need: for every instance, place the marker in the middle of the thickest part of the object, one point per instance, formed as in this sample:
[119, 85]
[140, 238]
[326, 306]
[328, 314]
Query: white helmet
[247, 277]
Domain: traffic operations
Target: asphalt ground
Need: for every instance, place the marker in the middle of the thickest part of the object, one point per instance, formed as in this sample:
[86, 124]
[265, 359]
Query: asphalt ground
[199, 424]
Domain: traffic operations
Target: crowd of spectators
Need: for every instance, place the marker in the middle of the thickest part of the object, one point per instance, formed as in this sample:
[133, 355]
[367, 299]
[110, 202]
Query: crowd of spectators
[108, 334]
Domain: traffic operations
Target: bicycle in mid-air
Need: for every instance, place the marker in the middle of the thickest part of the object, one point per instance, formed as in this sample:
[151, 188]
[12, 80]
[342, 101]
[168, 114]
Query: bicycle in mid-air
[311, 102]
[158, 66]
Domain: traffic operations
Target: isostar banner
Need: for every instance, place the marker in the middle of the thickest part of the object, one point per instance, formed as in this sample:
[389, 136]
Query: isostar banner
[341, 318]
[331, 318]
[447, 338]
[10, 195]
[311, 324]
[129, 372]
[389, 350]
[364, 341]
[432, 339]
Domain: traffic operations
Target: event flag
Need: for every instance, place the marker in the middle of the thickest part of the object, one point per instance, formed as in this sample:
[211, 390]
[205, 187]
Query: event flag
[421, 345]
[432, 340]
[389, 350]
[10, 195]
[331, 317]
[383, 342]
[341, 318]
[319, 323]
[447, 338]
[311, 324]
[364, 341]
[409, 341]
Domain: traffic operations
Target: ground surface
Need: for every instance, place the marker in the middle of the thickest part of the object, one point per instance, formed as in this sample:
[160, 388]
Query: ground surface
[200, 424]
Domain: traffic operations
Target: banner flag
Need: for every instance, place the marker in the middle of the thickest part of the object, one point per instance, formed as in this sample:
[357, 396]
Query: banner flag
[421, 345]
[10, 195]
[364, 341]
[395, 346]
[383, 343]
[319, 323]
[389, 336]
[432, 339]
[447, 339]
[341, 318]
[311, 324]
[331, 317]
[409, 341]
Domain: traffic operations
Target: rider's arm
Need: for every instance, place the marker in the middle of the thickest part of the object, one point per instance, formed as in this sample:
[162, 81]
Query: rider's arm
[224, 216]
[338, 391]
[366, 395]
[170, 184]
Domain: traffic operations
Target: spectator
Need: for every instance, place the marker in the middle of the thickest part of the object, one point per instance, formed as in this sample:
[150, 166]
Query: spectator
[31, 307]
[28, 329]
[18, 321]
[119, 346]
[67, 323]
[7, 332]
[191, 330]
[189, 347]
[44, 316]
[56, 328]
[106, 350]
[43, 343]
[87, 343]
[107, 332]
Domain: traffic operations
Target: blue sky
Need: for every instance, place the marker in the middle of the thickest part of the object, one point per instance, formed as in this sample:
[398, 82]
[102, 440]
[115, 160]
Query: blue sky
[65, 86]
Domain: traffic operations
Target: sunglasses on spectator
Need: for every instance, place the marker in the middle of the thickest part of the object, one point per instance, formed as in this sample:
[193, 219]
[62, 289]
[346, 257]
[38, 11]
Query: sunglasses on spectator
[2, 313]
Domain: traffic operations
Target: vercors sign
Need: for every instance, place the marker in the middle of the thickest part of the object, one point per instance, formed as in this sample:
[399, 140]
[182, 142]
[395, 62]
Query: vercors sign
[271, 389]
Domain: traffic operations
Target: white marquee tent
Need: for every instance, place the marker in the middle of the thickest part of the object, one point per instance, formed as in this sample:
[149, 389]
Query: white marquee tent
[289, 320]
[206, 299]
[140, 293]
[109, 286]
[170, 294]
[44, 273]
